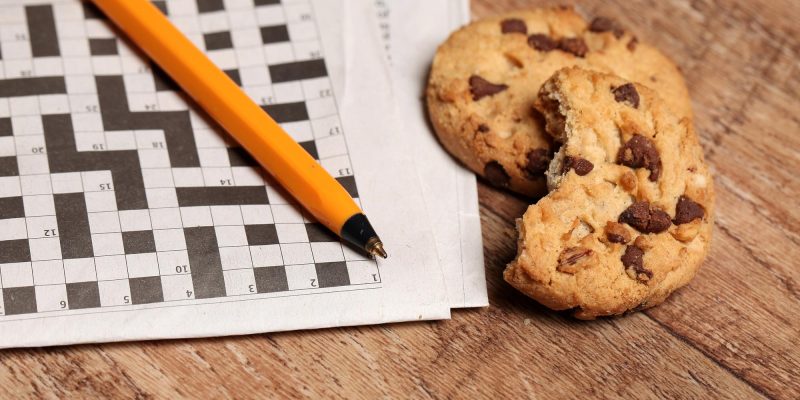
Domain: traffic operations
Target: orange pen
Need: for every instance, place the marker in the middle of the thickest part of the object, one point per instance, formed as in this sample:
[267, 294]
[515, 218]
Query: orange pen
[243, 119]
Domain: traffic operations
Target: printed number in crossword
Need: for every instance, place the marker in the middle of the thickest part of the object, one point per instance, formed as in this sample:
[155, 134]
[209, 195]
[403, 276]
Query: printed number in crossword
[115, 191]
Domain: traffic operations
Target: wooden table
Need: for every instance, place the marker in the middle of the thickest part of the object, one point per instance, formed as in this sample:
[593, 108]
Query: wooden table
[733, 333]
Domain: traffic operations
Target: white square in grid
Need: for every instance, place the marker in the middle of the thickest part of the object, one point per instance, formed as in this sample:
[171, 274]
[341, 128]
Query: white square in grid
[16, 274]
[247, 176]
[79, 270]
[307, 50]
[71, 29]
[331, 146]
[13, 229]
[300, 31]
[166, 218]
[114, 293]
[323, 107]
[291, 233]
[226, 215]
[51, 298]
[10, 186]
[141, 265]
[18, 68]
[7, 146]
[106, 65]
[296, 11]
[239, 282]
[235, 257]
[216, 157]
[171, 101]
[233, 235]
[45, 249]
[27, 125]
[154, 158]
[47, 66]
[302, 276]
[33, 165]
[362, 272]
[74, 47]
[54, 104]
[177, 287]
[68, 12]
[66, 182]
[29, 145]
[169, 239]
[48, 272]
[277, 196]
[149, 139]
[139, 102]
[327, 252]
[286, 214]
[104, 222]
[188, 177]
[157, 178]
[296, 253]
[111, 267]
[87, 122]
[100, 201]
[270, 15]
[39, 205]
[196, 216]
[218, 176]
[256, 214]
[90, 141]
[16, 50]
[223, 59]
[131, 63]
[24, 105]
[214, 22]
[255, 76]
[279, 53]
[138, 83]
[317, 88]
[337, 166]
[40, 227]
[107, 244]
[174, 262]
[351, 254]
[80, 84]
[97, 28]
[187, 23]
[83, 103]
[251, 57]
[120, 140]
[134, 220]
[5, 108]
[288, 92]
[300, 131]
[266, 256]
[95, 181]
[162, 197]
[260, 94]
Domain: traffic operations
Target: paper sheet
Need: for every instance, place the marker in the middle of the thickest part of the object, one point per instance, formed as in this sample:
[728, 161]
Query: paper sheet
[410, 39]
[126, 215]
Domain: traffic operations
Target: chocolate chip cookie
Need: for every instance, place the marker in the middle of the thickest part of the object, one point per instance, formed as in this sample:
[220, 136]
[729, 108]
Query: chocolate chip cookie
[485, 77]
[629, 216]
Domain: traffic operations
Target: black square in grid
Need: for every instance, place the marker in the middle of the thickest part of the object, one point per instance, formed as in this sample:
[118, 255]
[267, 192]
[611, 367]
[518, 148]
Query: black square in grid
[332, 274]
[311, 148]
[138, 242]
[90, 11]
[83, 295]
[162, 80]
[11, 207]
[287, 112]
[234, 75]
[5, 127]
[103, 47]
[271, 279]
[146, 290]
[14, 251]
[261, 234]
[8, 166]
[267, 2]
[239, 157]
[349, 183]
[205, 6]
[218, 40]
[319, 233]
[20, 300]
[161, 5]
[274, 34]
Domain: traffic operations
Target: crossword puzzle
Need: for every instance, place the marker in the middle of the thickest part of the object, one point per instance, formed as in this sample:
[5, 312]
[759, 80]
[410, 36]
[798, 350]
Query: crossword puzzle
[116, 191]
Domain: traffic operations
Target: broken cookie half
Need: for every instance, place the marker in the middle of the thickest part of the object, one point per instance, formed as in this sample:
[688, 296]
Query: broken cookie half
[629, 214]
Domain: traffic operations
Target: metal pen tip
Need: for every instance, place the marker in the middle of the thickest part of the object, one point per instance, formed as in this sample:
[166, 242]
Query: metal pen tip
[375, 248]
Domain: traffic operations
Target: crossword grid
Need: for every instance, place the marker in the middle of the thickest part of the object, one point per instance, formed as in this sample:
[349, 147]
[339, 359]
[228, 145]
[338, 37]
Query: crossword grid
[115, 191]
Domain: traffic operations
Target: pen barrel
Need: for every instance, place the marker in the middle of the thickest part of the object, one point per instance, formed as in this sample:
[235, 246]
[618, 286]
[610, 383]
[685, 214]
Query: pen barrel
[301, 175]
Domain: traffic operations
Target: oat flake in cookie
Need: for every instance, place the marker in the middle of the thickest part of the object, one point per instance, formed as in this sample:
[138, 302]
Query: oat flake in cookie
[626, 233]
[485, 77]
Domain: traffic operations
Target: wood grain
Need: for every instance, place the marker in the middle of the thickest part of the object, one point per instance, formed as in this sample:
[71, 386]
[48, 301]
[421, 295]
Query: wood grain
[733, 333]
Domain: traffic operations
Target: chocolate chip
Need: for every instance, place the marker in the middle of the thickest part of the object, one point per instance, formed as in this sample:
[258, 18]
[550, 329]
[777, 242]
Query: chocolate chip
[640, 152]
[645, 218]
[496, 174]
[632, 44]
[483, 128]
[581, 166]
[617, 233]
[481, 88]
[575, 46]
[538, 161]
[633, 261]
[626, 94]
[687, 210]
[602, 24]
[542, 42]
[514, 25]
